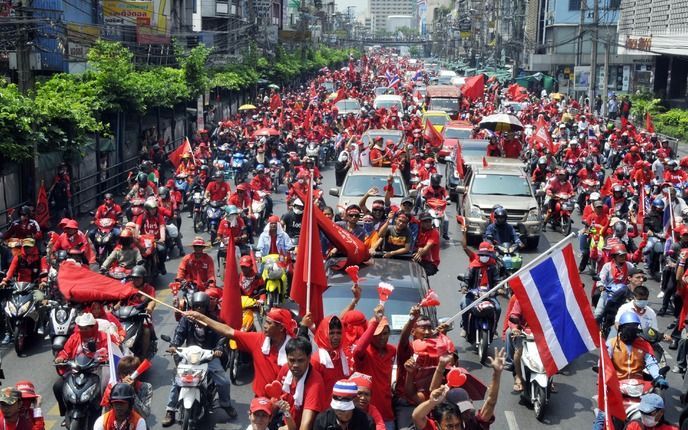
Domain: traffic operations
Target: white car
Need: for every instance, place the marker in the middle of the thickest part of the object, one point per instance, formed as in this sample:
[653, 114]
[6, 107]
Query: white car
[358, 182]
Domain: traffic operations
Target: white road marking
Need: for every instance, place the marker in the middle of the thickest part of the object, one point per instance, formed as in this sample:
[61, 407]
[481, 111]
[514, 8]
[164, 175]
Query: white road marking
[511, 420]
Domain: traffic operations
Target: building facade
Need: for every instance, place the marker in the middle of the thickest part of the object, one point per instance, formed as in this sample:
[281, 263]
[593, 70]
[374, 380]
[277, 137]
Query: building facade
[380, 9]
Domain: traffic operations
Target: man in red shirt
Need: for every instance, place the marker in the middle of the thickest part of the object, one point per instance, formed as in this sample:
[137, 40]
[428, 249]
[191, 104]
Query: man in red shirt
[197, 267]
[152, 222]
[25, 226]
[375, 357]
[512, 148]
[109, 209]
[31, 405]
[427, 252]
[261, 182]
[73, 238]
[218, 190]
[267, 348]
[303, 383]
[11, 412]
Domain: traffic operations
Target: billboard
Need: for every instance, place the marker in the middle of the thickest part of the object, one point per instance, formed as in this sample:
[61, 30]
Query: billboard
[149, 17]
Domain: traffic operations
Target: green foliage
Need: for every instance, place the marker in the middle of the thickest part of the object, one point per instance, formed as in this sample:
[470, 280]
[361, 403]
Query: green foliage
[674, 123]
[162, 87]
[112, 66]
[194, 63]
[235, 78]
[16, 122]
[643, 103]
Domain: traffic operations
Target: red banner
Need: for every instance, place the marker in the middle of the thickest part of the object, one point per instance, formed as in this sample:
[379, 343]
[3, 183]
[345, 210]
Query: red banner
[78, 283]
[176, 155]
[231, 312]
[42, 212]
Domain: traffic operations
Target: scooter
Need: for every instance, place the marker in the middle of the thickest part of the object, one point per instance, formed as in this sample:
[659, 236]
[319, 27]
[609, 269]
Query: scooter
[437, 209]
[62, 320]
[313, 152]
[509, 260]
[213, 215]
[197, 202]
[258, 208]
[133, 319]
[197, 390]
[536, 383]
[276, 281]
[276, 173]
[104, 237]
[481, 321]
[181, 296]
[23, 313]
[562, 217]
[238, 166]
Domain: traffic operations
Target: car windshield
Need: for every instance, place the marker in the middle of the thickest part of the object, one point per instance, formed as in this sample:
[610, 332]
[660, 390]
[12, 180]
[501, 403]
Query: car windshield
[444, 104]
[457, 133]
[394, 137]
[437, 119]
[500, 185]
[329, 86]
[358, 185]
[396, 309]
[387, 104]
[348, 105]
[473, 150]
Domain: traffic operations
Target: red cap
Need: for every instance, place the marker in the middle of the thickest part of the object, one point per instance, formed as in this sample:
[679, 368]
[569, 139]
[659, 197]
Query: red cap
[273, 218]
[27, 389]
[71, 224]
[261, 404]
[198, 241]
[246, 261]
[485, 247]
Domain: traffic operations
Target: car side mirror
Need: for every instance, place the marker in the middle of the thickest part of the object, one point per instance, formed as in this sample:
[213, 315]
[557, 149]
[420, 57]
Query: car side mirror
[334, 192]
[461, 189]
[413, 193]
[166, 338]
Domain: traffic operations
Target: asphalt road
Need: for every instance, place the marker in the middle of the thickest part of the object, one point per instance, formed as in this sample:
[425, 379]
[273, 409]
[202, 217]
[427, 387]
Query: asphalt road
[571, 407]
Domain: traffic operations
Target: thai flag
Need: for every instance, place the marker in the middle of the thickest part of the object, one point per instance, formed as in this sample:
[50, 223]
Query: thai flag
[417, 75]
[667, 219]
[114, 355]
[556, 308]
[394, 82]
[388, 76]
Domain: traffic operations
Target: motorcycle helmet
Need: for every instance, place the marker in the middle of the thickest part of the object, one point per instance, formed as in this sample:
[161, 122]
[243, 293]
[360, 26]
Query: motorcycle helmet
[435, 180]
[164, 193]
[297, 206]
[618, 249]
[200, 300]
[500, 215]
[594, 196]
[542, 161]
[589, 165]
[231, 210]
[672, 164]
[617, 189]
[205, 168]
[138, 272]
[658, 203]
[218, 175]
[151, 203]
[574, 142]
[122, 392]
[620, 229]
[61, 256]
[108, 196]
[142, 179]
[629, 317]
[260, 168]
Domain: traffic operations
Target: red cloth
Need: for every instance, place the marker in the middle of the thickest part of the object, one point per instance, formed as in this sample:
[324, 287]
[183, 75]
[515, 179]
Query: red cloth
[275, 102]
[309, 265]
[322, 339]
[266, 368]
[79, 284]
[611, 382]
[431, 135]
[313, 393]
[261, 183]
[176, 155]
[27, 267]
[79, 240]
[113, 212]
[224, 229]
[231, 312]
[138, 299]
[236, 200]
[432, 235]
[150, 224]
[649, 125]
[197, 269]
[542, 135]
[474, 87]
[635, 425]
[74, 345]
[218, 192]
[42, 212]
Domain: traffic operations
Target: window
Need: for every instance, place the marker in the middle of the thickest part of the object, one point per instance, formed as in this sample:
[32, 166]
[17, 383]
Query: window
[575, 4]
[614, 4]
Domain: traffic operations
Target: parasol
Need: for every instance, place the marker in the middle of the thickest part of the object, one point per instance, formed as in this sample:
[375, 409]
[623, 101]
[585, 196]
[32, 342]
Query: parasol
[266, 132]
[501, 122]
[246, 107]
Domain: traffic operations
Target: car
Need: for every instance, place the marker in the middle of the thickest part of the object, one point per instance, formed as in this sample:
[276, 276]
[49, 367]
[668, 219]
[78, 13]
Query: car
[348, 106]
[387, 101]
[458, 130]
[329, 86]
[358, 182]
[396, 136]
[419, 93]
[445, 98]
[507, 185]
[437, 117]
[472, 152]
[444, 77]
[410, 286]
[379, 91]
[447, 148]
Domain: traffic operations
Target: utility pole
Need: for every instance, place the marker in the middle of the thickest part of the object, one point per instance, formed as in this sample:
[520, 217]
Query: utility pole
[24, 74]
[605, 81]
[593, 54]
[579, 45]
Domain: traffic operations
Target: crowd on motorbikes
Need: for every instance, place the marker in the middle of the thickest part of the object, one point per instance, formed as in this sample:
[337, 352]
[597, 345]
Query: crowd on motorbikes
[626, 183]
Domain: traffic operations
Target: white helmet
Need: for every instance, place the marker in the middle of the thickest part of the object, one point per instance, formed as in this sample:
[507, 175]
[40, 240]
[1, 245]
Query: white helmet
[594, 196]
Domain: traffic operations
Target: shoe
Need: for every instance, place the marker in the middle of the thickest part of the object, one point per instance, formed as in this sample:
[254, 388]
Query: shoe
[661, 312]
[7, 339]
[446, 237]
[230, 411]
[674, 345]
[463, 333]
[660, 295]
[169, 419]
[677, 369]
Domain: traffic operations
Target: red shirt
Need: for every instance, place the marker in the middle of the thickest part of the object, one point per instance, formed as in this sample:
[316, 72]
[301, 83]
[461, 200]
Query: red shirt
[512, 149]
[74, 345]
[150, 224]
[236, 200]
[265, 366]
[79, 240]
[313, 393]
[482, 424]
[27, 267]
[594, 219]
[329, 376]
[218, 192]
[112, 212]
[138, 299]
[224, 229]
[261, 184]
[432, 235]
[635, 425]
[197, 269]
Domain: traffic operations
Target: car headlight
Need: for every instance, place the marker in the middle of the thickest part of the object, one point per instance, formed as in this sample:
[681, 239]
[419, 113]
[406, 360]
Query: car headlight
[533, 215]
[475, 212]
[88, 394]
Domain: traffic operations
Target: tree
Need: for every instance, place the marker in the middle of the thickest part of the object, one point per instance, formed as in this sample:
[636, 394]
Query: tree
[16, 124]
[194, 63]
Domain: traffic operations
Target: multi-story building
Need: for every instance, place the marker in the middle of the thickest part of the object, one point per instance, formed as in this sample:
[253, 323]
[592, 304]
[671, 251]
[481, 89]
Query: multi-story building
[659, 27]
[380, 9]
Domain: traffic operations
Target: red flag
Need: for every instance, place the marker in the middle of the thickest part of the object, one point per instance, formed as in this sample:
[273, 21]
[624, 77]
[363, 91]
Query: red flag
[484, 162]
[640, 218]
[624, 122]
[609, 397]
[341, 94]
[78, 283]
[309, 281]
[432, 135]
[542, 135]
[231, 312]
[607, 187]
[516, 92]
[649, 125]
[176, 155]
[458, 160]
[42, 213]
[474, 87]
[275, 102]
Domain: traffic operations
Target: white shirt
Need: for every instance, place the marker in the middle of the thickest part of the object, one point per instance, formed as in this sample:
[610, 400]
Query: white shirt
[647, 319]
[141, 425]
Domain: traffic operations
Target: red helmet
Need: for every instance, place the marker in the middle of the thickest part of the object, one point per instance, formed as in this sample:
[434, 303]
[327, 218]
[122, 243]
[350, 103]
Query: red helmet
[243, 187]
[430, 160]
[684, 161]
[246, 261]
[618, 249]
[214, 293]
[634, 148]
[638, 164]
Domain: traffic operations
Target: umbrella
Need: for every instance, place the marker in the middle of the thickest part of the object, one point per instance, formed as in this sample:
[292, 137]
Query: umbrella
[266, 132]
[246, 107]
[274, 86]
[501, 122]
[556, 96]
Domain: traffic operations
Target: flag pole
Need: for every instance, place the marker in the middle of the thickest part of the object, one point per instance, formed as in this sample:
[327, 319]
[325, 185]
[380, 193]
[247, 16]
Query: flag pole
[309, 222]
[607, 418]
[503, 282]
[166, 305]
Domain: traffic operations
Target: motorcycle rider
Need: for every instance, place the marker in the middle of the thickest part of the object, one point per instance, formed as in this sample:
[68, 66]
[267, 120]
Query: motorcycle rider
[24, 227]
[122, 414]
[152, 222]
[501, 231]
[242, 200]
[138, 279]
[293, 218]
[595, 219]
[482, 272]
[558, 185]
[233, 224]
[631, 354]
[30, 408]
[273, 239]
[250, 283]
[613, 278]
[125, 254]
[11, 412]
[197, 267]
[169, 209]
[651, 409]
[72, 239]
[261, 182]
[109, 209]
[187, 165]
[437, 191]
[653, 225]
[218, 190]
[191, 333]
[143, 188]
[126, 367]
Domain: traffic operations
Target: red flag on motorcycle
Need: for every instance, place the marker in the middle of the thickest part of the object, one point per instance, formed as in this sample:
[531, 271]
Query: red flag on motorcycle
[42, 213]
[175, 156]
[474, 87]
[309, 281]
[607, 187]
[231, 312]
[78, 283]
[542, 135]
[458, 160]
[275, 102]
[640, 218]
[649, 125]
[431, 135]
[609, 396]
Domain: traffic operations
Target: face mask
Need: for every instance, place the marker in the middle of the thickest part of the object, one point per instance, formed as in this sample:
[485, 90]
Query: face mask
[427, 166]
[628, 333]
[640, 304]
[298, 210]
[648, 420]
[484, 258]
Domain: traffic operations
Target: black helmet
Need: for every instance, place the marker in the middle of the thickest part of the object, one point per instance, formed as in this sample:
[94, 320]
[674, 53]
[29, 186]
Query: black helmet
[142, 179]
[122, 391]
[138, 272]
[164, 192]
[435, 179]
[589, 165]
[25, 210]
[108, 196]
[619, 228]
[61, 255]
[500, 215]
[200, 300]
[617, 189]
[218, 175]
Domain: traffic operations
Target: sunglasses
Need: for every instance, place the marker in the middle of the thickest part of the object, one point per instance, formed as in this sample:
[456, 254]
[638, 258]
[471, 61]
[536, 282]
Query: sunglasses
[354, 215]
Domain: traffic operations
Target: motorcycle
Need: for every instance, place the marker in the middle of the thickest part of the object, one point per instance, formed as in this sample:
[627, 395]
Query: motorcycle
[509, 260]
[197, 202]
[276, 173]
[536, 383]
[197, 390]
[23, 314]
[213, 215]
[182, 292]
[105, 239]
[481, 321]
[258, 208]
[437, 209]
[275, 277]
[313, 152]
[83, 388]
[562, 216]
[133, 319]
[238, 167]
[62, 319]
[585, 188]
